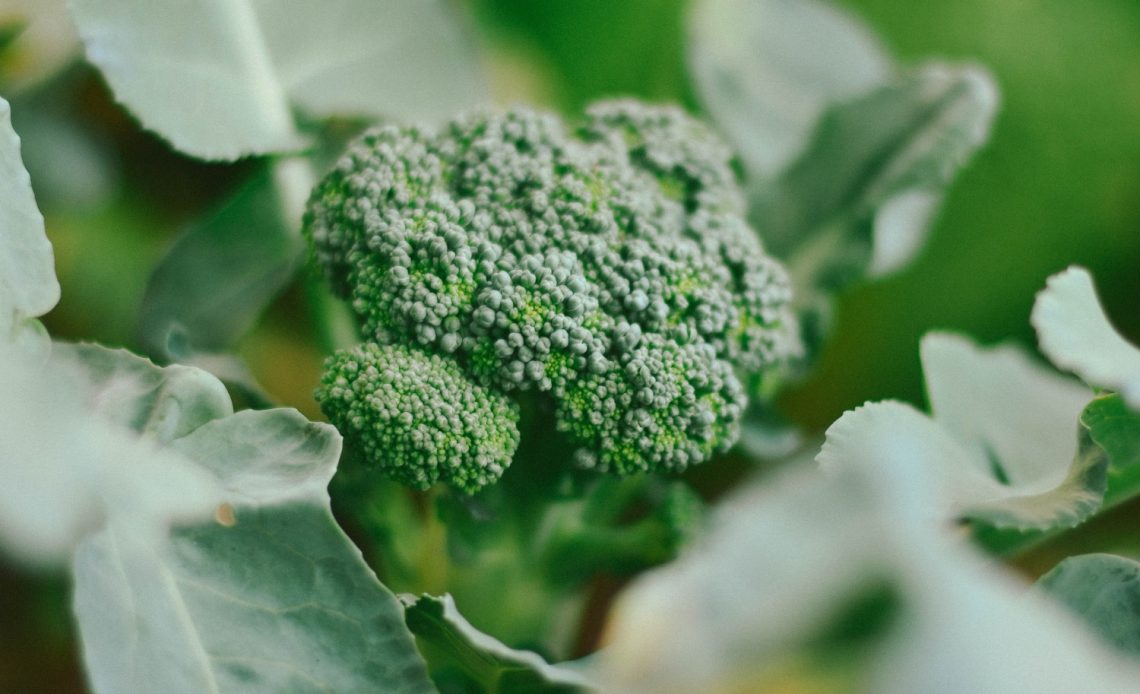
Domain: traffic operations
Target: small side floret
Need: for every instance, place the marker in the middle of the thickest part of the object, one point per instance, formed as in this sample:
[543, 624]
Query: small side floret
[416, 416]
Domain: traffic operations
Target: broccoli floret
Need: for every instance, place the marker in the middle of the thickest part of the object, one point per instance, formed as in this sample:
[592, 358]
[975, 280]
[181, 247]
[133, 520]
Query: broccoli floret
[417, 417]
[607, 268]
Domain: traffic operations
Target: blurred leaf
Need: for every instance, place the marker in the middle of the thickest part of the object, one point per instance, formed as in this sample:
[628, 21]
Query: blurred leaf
[271, 597]
[874, 154]
[80, 451]
[222, 273]
[786, 565]
[164, 403]
[28, 286]
[1104, 590]
[1075, 333]
[1116, 428]
[42, 42]
[218, 78]
[496, 668]
[767, 69]
[73, 169]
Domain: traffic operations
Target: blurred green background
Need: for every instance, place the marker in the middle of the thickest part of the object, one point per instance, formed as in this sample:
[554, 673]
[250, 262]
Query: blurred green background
[1058, 184]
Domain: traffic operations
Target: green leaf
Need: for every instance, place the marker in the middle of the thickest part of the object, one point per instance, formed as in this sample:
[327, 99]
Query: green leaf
[1076, 335]
[221, 274]
[496, 668]
[28, 286]
[875, 170]
[767, 69]
[1115, 427]
[164, 403]
[70, 467]
[1105, 591]
[271, 597]
[226, 88]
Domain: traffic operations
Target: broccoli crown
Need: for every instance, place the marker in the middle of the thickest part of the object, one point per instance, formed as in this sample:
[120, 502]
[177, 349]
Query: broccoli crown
[418, 417]
[607, 266]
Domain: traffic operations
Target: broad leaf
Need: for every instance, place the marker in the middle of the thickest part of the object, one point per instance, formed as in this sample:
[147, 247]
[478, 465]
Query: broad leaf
[220, 275]
[890, 152]
[837, 582]
[1077, 336]
[495, 667]
[1003, 443]
[1105, 591]
[767, 69]
[219, 78]
[28, 286]
[68, 468]
[270, 597]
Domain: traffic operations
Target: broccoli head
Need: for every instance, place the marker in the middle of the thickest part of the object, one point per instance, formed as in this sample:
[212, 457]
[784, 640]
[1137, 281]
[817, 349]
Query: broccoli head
[607, 268]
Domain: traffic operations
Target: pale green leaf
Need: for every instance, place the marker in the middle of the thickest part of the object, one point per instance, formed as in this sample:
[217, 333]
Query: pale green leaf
[1105, 591]
[28, 286]
[1075, 334]
[1004, 443]
[495, 667]
[1021, 421]
[271, 597]
[219, 78]
[411, 60]
[66, 469]
[163, 403]
[767, 69]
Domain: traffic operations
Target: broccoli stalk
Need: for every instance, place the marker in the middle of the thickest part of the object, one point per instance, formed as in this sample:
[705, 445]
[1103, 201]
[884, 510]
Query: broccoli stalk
[540, 304]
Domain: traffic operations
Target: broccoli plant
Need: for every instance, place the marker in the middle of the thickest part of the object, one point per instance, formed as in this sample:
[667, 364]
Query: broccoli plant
[546, 339]
[517, 281]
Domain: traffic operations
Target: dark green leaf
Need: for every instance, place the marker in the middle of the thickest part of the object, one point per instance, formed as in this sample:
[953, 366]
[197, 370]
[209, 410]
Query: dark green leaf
[492, 665]
[1105, 591]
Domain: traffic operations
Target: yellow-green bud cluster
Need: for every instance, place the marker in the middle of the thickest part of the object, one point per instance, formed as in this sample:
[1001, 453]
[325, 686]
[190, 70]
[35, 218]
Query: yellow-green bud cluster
[417, 417]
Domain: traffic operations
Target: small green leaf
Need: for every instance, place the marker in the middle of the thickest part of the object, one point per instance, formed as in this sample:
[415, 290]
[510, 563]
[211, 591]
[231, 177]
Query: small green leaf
[496, 668]
[1105, 591]
[1115, 427]
[890, 153]
[222, 273]
[28, 286]
[271, 597]
[767, 69]
[160, 402]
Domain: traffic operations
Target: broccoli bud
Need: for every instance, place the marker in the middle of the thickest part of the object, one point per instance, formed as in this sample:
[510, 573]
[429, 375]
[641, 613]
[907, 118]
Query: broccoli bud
[607, 268]
[417, 417]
